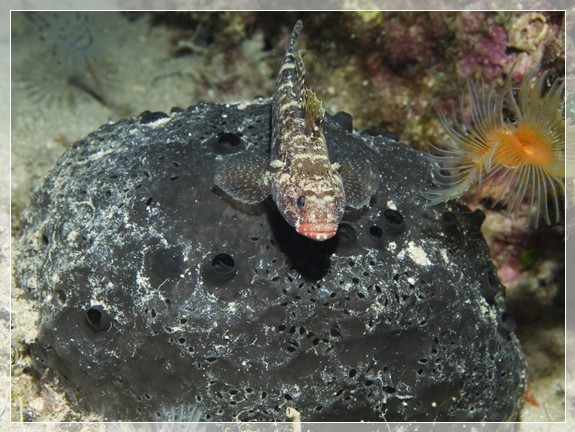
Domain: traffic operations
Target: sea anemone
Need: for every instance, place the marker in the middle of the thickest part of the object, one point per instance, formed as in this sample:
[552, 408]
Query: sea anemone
[514, 145]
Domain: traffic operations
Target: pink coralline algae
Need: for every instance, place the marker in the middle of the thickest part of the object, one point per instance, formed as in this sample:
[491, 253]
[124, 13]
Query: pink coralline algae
[486, 54]
[471, 21]
[415, 40]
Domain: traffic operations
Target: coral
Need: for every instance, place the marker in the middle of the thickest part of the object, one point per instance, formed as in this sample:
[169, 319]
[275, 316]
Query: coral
[487, 54]
[520, 160]
[413, 38]
[528, 31]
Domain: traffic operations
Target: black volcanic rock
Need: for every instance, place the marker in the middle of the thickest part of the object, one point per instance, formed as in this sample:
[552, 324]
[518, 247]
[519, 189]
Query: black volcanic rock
[155, 289]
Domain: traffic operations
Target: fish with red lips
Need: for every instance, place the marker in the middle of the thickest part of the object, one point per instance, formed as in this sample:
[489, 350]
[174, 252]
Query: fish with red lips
[306, 186]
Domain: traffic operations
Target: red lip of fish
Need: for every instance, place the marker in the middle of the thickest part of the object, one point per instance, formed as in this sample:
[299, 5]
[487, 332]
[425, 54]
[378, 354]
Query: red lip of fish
[317, 231]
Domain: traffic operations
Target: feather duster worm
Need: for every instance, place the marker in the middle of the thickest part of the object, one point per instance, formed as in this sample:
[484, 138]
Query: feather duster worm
[520, 158]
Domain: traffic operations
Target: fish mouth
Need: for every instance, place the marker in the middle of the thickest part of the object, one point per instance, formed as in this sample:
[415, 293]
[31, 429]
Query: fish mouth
[317, 231]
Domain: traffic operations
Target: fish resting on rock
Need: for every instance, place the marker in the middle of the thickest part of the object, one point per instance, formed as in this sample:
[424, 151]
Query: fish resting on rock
[310, 191]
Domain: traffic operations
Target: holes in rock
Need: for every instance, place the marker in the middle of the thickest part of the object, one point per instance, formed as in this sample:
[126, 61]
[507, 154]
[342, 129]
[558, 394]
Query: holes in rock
[507, 322]
[149, 201]
[394, 221]
[478, 216]
[489, 285]
[449, 222]
[346, 235]
[444, 172]
[335, 331]
[148, 117]
[223, 264]
[375, 232]
[227, 143]
[221, 268]
[352, 373]
[98, 319]
[61, 296]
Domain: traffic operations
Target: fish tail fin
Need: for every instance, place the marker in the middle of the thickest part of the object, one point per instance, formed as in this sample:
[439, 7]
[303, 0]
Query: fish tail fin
[297, 28]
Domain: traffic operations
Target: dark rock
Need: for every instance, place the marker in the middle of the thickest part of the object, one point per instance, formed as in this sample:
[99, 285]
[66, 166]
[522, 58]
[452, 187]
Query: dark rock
[155, 289]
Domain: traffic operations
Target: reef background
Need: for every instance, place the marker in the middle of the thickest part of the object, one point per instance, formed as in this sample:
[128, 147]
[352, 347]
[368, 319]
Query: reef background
[391, 71]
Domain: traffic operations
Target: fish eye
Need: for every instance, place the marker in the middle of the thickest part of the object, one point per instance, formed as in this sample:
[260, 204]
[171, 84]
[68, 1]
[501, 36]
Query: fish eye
[301, 202]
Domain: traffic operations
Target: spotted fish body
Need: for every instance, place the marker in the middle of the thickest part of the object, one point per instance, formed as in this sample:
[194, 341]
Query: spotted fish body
[308, 189]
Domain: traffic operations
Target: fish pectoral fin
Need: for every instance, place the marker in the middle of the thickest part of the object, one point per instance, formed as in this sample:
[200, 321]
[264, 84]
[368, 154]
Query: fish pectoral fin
[360, 181]
[312, 109]
[244, 178]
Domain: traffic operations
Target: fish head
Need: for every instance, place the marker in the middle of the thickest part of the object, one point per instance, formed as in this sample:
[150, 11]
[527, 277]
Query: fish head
[314, 207]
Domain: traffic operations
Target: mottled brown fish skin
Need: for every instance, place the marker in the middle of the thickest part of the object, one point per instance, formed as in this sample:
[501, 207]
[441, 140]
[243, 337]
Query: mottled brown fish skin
[305, 186]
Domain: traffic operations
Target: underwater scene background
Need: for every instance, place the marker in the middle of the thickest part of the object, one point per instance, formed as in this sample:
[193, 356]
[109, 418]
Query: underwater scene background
[393, 72]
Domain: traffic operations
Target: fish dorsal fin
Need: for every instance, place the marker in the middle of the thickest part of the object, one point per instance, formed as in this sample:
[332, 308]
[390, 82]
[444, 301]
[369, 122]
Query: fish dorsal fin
[312, 108]
[244, 178]
[299, 82]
